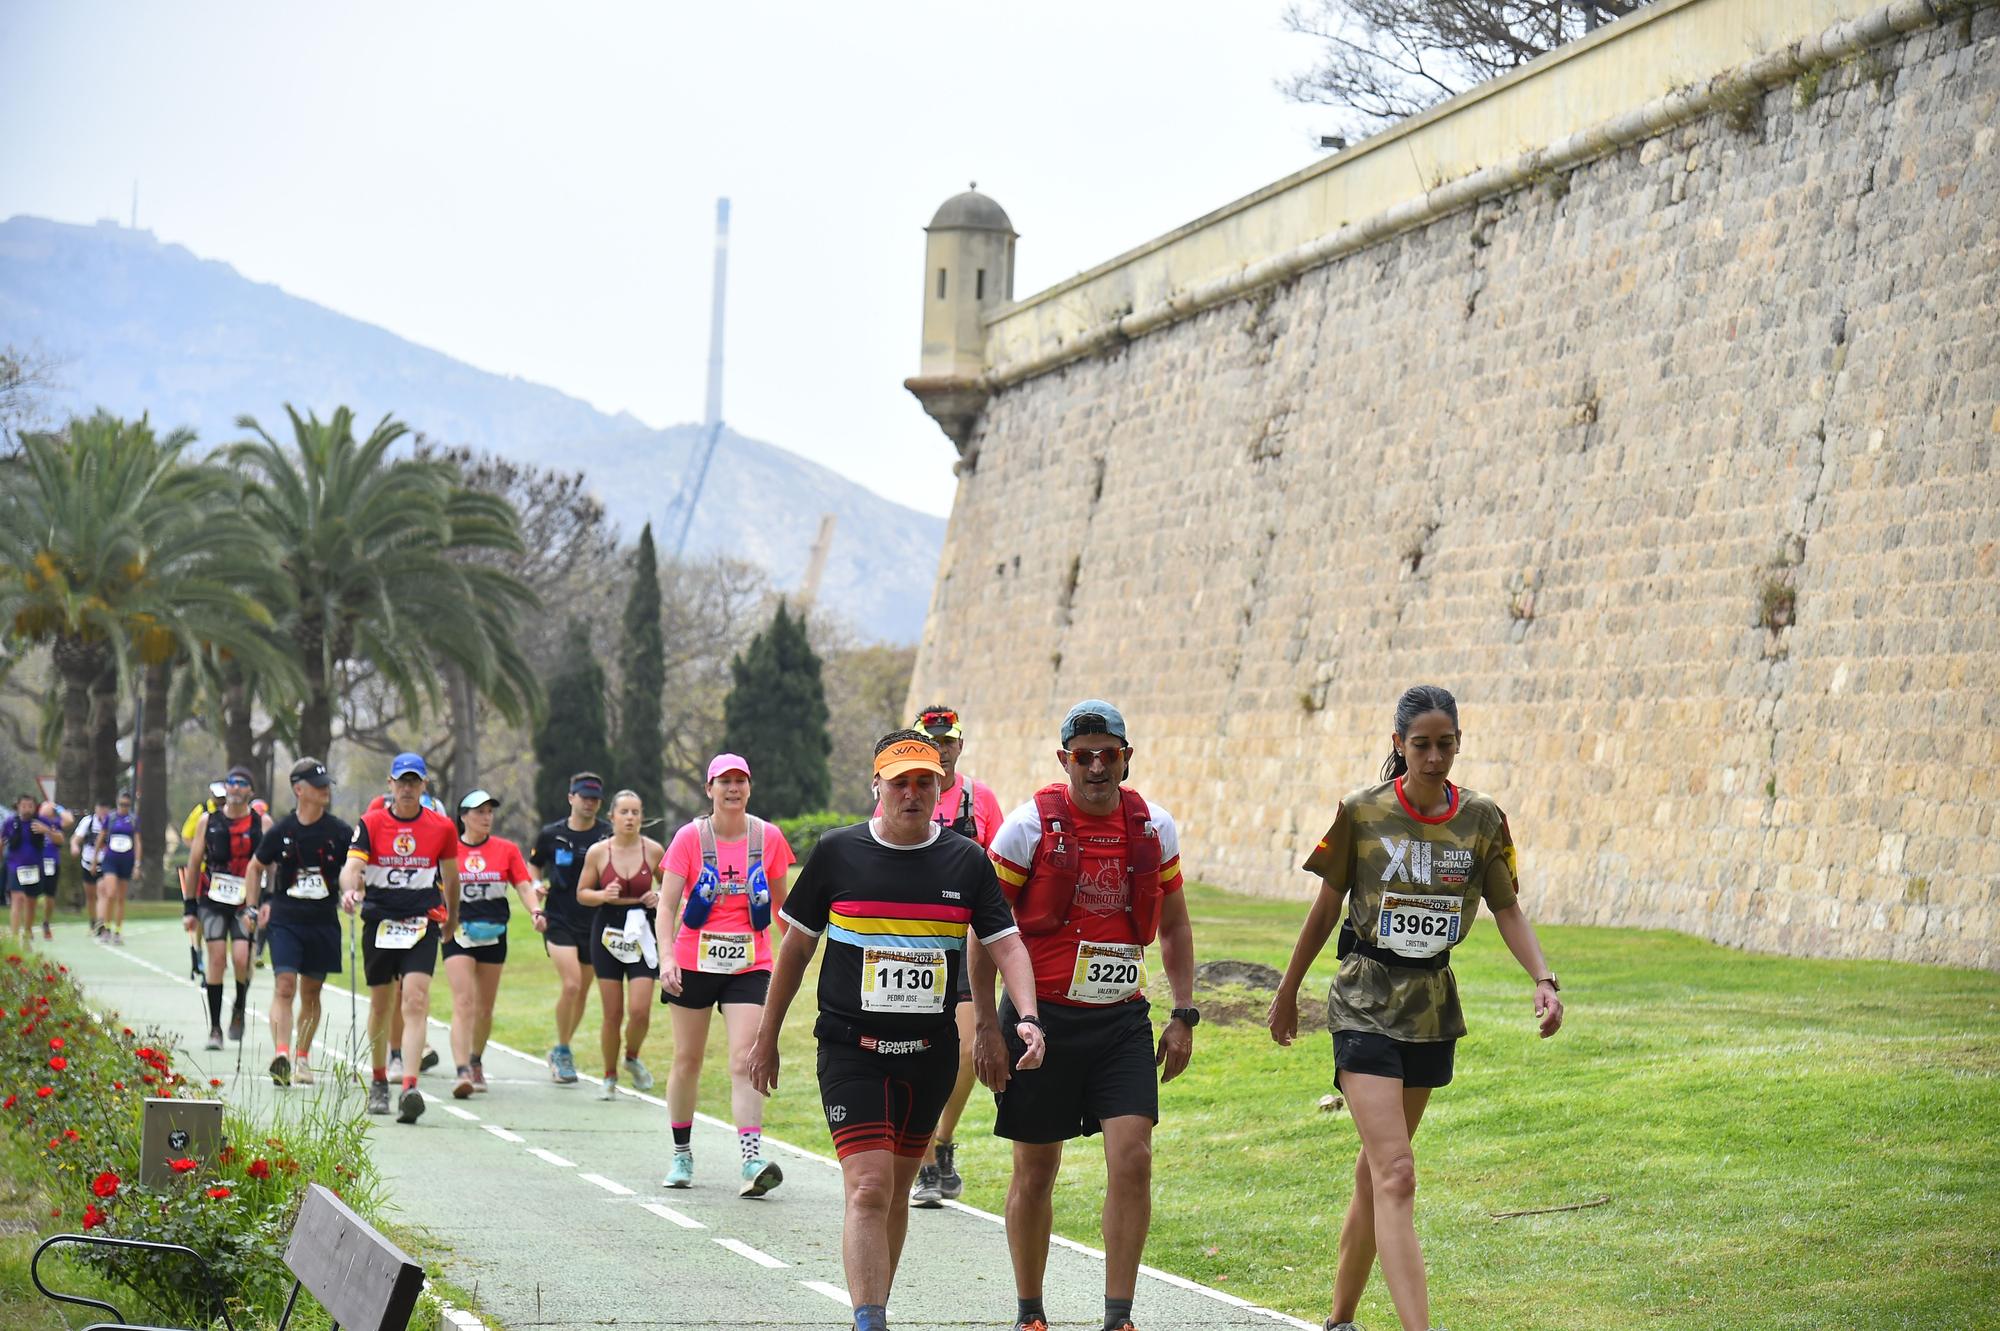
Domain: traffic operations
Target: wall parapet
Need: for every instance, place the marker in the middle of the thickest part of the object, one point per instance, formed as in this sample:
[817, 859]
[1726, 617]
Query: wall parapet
[1482, 144]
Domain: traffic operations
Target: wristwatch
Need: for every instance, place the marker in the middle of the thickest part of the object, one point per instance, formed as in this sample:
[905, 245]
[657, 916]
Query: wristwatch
[1189, 1017]
[1550, 981]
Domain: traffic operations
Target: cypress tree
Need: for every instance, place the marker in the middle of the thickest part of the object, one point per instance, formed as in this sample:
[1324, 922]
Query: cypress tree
[640, 754]
[775, 716]
[573, 736]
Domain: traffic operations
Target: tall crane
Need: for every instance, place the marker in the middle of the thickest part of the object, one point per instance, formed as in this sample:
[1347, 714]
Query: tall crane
[690, 497]
[816, 566]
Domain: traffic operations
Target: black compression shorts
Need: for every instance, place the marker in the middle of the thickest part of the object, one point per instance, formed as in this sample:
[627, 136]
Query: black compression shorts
[886, 1102]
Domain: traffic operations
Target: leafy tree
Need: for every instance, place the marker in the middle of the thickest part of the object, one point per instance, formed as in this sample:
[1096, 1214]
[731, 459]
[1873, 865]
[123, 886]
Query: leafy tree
[1383, 60]
[775, 716]
[114, 550]
[371, 543]
[573, 736]
[640, 755]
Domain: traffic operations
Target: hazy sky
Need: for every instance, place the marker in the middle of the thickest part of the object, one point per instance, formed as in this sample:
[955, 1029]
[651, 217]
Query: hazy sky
[531, 188]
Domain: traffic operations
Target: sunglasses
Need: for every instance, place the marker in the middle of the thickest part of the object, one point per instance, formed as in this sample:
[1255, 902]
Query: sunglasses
[237, 781]
[1088, 758]
[944, 717]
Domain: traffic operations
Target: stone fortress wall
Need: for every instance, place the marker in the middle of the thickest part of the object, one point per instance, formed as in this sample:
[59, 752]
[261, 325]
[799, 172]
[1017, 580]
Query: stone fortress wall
[1666, 445]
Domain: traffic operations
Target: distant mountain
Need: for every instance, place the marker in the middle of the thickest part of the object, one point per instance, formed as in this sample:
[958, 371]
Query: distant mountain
[136, 326]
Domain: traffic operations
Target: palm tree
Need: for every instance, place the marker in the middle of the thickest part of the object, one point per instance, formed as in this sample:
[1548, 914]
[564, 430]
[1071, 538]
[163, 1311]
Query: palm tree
[115, 551]
[374, 546]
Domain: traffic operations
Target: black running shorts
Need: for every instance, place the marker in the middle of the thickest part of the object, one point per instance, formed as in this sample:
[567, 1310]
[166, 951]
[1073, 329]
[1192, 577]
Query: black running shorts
[1099, 1065]
[1412, 1062]
[609, 967]
[700, 989]
[486, 954]
[305, 947]
[221, 924]
[885, 1102]
[386, 965]
[568, 923]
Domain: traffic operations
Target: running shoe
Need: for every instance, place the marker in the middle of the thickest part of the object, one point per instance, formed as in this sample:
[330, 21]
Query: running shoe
[759, 1177]
[1032, 1324]
[562, 1068]
[1332, 1325]
[301, 1074]
[478, 1078]
[409, 1105]
[378, 1097]
[281, 1071]
[429, 1060]
[396, 1065]
[609, 1091]
[925, 1192]
[1125, 1325]
[462, 1088]
[214, 1038]
[642, 1080]
[950, 1185]
[236, 1025]
[680, 1174]
[118, 938]
[48, 932]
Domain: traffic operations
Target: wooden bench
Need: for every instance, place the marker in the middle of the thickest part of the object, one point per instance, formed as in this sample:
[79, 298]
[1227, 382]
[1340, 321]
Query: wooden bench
[364, 1282]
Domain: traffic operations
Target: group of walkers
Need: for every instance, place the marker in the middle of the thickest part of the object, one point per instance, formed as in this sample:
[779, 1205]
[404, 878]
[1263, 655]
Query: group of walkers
[105, 845]
[921, 908]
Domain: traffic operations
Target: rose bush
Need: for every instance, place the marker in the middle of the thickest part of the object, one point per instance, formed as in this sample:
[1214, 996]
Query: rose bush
[70, 1113]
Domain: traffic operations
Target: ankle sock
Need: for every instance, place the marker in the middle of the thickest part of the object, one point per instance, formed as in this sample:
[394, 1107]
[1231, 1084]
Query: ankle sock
[1117, 1312]
[751, 1142]
[282, 1052]
[1028, 1310]
[684, 1138]
[871, 1317]
[214, 1006]
[381, 1072]
[409, 1082]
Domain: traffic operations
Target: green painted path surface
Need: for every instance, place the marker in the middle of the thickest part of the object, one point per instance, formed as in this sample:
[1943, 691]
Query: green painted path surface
[550, 1203]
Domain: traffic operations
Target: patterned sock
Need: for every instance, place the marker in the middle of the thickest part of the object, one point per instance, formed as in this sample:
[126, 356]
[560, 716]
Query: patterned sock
[1117, 1312]
[751, 1142]
[684, 1138]
[214, 1005]
[1029, 1310]
[871, 1317]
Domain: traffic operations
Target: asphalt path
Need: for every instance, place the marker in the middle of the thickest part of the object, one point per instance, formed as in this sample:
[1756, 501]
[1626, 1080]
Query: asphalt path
[549, 1202]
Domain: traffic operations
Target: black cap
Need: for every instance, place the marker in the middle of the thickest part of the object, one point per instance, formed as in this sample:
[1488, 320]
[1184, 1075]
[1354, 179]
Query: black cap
[311, 771]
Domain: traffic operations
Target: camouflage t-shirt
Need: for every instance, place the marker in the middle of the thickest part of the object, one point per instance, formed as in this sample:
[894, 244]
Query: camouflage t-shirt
[1413, 885]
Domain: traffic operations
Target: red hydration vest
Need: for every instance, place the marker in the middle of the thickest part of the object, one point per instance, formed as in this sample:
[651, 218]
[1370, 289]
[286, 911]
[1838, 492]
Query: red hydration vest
[1043, 903]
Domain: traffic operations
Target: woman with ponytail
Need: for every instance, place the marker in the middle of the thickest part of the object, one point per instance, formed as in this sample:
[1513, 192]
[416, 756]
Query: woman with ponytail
[1411, 857]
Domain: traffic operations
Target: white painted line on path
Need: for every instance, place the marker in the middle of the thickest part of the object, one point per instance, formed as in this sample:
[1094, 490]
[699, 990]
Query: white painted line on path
[834, 1292]
[742, 1249]
[503, 1134]
[612, 1186]
[670, 1214]
[465, 1114]
[551, 1157]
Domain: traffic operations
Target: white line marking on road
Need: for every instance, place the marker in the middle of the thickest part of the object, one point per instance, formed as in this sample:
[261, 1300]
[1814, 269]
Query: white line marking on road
[611, 1186]
[503, 1134]
[465, 1114]
[834, 1292]
[742, 1249]
[551, 1157]
[669, 1213]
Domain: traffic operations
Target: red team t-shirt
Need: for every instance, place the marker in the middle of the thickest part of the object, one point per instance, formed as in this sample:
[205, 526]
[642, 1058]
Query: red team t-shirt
[731, 914]
[1098, 915]
[401, 879]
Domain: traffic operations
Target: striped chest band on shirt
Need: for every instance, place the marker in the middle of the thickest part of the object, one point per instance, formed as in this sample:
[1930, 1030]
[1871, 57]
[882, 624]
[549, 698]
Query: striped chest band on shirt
[898, 924]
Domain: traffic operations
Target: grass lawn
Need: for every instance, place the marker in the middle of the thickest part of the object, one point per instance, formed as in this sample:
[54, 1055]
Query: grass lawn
[1785, 1143]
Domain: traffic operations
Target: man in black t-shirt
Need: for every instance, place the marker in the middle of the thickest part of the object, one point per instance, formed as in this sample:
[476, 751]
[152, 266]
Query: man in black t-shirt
[303, 852]
[558, 853]
[896, 897]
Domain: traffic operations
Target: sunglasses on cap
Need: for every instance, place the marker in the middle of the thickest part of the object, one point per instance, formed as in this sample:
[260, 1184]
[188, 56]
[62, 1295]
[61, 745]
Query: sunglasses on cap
[942, 716]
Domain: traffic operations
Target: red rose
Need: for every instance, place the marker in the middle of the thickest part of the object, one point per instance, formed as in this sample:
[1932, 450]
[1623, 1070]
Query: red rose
[44, 1092]
[218, 1193]
[228, 1154]
[117, 1085]
[54, 1143]
[215, 1081]
[56, 1043]
[147, 1078]
[72, 1135]
[105, 1184]
[92, 1217]
[128, 1030]
[59, 1063]
[8, 1103]
[63, 969]
[259, 1168]
[184, 1165]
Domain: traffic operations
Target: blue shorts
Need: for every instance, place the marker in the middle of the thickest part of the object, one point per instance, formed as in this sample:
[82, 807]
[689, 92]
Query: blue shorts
[118, 866]
[306, 947]
[45, 888]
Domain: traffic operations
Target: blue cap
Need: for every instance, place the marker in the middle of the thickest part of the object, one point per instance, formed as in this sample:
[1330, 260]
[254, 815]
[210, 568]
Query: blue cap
[1093, 716]
[406, 763]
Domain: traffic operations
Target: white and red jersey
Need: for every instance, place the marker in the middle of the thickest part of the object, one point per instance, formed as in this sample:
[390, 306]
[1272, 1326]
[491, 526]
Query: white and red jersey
[402, 859]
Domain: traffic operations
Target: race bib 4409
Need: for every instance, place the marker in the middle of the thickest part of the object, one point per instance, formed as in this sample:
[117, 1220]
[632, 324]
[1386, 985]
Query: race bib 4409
[1419, 926]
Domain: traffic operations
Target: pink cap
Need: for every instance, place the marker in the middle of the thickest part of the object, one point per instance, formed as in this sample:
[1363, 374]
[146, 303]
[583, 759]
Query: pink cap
[727, 762]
